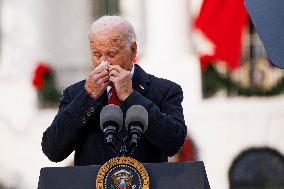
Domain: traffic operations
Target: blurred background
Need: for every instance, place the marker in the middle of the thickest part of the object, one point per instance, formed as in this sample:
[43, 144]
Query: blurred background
[233, 96]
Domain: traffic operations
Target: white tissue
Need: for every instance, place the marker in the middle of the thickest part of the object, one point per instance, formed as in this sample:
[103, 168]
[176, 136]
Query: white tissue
[104, 64]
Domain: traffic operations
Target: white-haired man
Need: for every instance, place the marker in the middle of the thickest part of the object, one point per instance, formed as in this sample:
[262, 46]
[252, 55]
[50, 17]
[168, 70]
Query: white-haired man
[115, 79]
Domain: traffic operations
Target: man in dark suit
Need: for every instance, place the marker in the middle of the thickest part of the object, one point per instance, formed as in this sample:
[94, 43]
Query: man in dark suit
[76, 125]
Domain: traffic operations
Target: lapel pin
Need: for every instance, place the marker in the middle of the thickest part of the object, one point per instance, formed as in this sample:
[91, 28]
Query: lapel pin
[141, 87]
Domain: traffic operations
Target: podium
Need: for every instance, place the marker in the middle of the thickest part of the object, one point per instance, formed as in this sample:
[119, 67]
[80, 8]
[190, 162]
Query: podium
[183, 175]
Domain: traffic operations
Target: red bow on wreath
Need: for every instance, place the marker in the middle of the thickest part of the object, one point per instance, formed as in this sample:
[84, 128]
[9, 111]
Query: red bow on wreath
[41, 70]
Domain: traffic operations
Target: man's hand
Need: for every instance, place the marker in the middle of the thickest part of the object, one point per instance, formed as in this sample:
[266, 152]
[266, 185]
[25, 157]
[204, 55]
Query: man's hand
[97, 82]
[121, 80]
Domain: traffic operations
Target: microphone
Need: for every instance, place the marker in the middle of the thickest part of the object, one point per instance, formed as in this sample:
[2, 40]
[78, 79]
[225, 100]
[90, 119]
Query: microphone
[136, 123]
[111, 121]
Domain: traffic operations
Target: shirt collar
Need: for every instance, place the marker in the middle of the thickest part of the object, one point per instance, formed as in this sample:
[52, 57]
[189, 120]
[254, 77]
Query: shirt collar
[132, 70]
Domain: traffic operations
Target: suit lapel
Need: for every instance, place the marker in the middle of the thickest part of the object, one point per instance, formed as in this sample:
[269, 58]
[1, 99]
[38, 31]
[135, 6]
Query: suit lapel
[140, 80]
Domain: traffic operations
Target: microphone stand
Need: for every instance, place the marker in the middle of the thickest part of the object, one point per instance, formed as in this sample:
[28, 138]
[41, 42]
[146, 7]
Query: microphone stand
[132, 150]
[123, 149]
[123, 152]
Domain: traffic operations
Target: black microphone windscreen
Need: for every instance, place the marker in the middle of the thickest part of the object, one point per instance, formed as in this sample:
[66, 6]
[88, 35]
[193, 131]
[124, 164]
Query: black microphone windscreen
[111, 113]
[137, 113]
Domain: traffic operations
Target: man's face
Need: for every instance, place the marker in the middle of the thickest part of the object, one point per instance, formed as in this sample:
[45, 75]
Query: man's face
[110, 46]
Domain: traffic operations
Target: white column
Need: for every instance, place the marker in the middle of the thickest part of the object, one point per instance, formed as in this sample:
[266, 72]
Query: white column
[33, 30]
[39, 30]
[167, 50]
[20, 47]
[51, 31]
[134, 12]
[19, 50]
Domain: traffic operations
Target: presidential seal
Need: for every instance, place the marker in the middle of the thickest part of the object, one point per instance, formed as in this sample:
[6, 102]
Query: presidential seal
[122, 173]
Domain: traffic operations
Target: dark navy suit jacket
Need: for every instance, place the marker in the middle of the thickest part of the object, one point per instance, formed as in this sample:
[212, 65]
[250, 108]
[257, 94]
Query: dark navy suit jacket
[76, 125]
